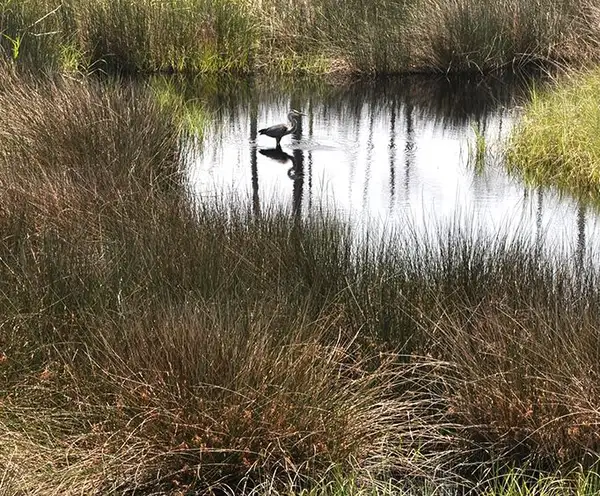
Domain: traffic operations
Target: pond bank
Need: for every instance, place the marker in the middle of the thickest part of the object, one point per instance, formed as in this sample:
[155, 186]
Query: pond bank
[313, 36]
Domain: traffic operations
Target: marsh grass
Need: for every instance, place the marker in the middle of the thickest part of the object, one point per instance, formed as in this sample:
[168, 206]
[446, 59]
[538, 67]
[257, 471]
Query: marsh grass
[361, 36]
[513, 482]
[315, 37]
[480, 35]
[556, 142]
[31, 32]
[178, 35]
[147, 345]
[144, 36]
[518, 482]
[150, 344]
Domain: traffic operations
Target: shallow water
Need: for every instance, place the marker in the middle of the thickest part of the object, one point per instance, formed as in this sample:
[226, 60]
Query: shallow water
[387, 156]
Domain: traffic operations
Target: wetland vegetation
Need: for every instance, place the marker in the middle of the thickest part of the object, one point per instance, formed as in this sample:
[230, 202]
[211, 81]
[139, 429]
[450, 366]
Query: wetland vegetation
[154, 344]
[557, 141]
[314, 36]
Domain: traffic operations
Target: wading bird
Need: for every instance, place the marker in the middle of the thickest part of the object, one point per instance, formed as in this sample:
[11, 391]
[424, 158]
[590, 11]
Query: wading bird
[278, 131]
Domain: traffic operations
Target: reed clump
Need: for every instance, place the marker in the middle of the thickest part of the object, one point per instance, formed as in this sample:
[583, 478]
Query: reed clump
[315, 37]
[482, 35]
[524, 378]
[556, 142]
[144, 36]
[151, 343]
[177, 35]
[517, 332]
[145, 345]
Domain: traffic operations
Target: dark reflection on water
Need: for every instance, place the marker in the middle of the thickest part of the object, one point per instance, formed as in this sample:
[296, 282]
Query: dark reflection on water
[393, 153]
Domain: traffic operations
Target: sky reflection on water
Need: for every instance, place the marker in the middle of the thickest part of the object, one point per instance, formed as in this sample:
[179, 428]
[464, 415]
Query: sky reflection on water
[393, 154]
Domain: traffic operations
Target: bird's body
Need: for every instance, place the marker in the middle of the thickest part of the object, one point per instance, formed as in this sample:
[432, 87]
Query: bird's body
[278, 131]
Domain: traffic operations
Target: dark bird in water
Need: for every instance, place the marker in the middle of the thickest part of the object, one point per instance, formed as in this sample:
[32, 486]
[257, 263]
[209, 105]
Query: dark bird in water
[278, 131]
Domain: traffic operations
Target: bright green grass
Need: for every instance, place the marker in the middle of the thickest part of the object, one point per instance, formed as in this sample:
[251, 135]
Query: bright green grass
[189, 113]
[557, 141]
[515, 482]
[518, 483]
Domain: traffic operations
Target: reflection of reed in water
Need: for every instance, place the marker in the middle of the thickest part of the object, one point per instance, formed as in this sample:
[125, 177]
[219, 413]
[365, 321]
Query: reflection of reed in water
[410, 147]
[581, 214]
[392, 148]
[580, 241]
[298, 182]
[253, 161]
[447, 101]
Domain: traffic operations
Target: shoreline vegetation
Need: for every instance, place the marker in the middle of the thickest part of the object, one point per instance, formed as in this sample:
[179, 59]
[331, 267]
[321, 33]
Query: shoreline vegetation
[556, 142]
[152, 347]
[312, 36]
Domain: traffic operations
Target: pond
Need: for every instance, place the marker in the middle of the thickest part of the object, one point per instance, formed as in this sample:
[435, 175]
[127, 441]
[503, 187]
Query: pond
[387, 155]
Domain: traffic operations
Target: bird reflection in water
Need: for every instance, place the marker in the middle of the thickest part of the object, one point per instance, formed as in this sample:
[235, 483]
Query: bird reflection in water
[295, 172]
[282, 157]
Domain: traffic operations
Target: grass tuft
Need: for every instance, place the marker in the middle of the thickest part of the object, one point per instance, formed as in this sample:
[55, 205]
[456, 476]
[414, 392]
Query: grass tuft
[556, 143]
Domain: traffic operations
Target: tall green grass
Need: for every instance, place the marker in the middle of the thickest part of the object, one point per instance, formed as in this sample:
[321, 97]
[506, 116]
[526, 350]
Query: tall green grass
[35, 33]
[316, 36]
[177, 35]
[141, 36]
[358, 36]
[556, 142]
[479, 35]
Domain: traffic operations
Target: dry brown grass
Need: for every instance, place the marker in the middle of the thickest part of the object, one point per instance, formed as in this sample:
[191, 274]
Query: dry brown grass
[143, 344]
[525, 381]
[147, 345]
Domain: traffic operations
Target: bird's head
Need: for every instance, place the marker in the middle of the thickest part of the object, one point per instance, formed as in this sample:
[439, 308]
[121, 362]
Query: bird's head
[293, 117]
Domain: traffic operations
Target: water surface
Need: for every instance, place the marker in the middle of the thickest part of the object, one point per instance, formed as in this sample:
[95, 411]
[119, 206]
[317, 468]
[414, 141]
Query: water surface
[390, 154]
